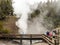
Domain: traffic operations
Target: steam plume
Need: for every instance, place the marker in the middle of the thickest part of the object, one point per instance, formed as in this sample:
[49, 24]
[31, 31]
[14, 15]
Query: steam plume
[22, 8]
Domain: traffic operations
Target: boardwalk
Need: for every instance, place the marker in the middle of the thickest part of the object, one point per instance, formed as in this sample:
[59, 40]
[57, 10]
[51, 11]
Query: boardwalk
[27, 37]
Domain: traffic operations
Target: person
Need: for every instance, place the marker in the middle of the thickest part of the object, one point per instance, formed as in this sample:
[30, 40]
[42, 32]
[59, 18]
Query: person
[51, 34]
[47, 33]
[54, 33]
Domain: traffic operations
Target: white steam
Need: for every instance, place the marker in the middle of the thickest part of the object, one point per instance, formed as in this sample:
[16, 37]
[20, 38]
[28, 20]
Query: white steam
[22, 8]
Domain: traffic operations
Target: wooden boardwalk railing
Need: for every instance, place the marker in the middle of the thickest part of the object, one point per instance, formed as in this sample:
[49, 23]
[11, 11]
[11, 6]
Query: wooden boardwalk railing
[27, 37]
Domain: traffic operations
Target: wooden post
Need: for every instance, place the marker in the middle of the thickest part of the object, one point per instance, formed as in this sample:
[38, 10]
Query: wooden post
[49, 44]
[21, 40]
[55, 42]
[30, 39]
[58, 37]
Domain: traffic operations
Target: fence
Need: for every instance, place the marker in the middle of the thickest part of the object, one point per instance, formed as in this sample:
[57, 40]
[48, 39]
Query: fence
[30, 37]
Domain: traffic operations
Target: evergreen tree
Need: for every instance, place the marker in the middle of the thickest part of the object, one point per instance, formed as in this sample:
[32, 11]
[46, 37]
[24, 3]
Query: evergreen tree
[5, 8]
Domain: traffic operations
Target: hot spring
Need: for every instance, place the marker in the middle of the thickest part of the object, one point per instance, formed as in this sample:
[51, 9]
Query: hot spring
[23, 8]
[27, 22]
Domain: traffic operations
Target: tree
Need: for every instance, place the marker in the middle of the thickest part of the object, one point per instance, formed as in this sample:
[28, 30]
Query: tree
[5, 8]
[51, 19]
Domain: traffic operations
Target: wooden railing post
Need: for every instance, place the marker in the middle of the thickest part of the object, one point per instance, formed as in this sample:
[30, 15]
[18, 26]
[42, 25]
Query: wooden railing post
[21, 40]
[30, 39]
[55, 42]
[58, 37]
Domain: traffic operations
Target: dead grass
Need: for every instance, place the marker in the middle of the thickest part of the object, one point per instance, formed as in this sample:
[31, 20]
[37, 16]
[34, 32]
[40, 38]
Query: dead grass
[9, 23]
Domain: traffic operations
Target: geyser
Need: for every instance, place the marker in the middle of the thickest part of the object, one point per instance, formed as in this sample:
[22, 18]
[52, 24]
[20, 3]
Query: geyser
[36, 25]
[22, 8]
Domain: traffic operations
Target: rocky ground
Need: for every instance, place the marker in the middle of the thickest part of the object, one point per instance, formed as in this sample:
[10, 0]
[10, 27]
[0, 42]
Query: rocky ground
[2, 42]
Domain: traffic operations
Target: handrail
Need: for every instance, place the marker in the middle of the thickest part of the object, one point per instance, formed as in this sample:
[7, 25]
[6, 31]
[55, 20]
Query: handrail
[48, 37]
[28, 35]
[48, 40]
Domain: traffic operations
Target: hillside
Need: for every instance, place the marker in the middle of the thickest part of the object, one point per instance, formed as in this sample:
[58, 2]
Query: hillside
[9, 23]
